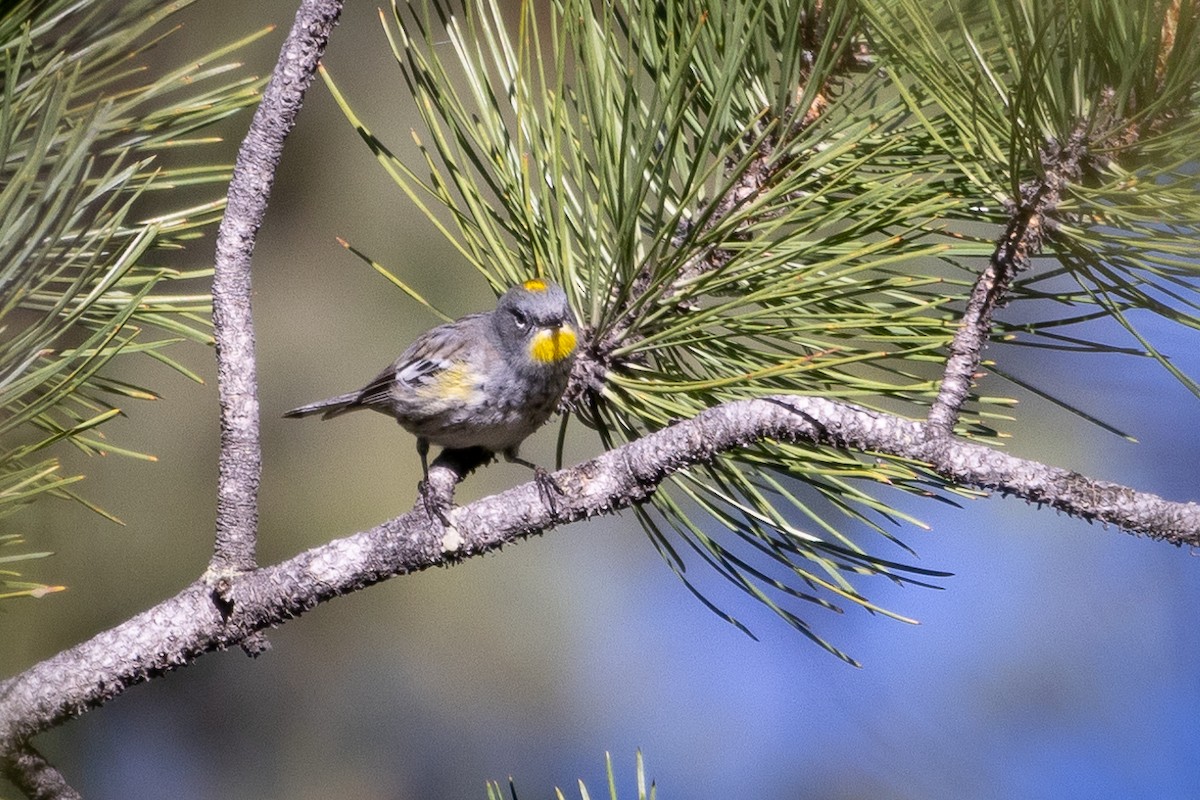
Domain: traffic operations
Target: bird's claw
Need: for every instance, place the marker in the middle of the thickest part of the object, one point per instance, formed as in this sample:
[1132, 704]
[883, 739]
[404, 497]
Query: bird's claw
[436, 506]
[547, 488]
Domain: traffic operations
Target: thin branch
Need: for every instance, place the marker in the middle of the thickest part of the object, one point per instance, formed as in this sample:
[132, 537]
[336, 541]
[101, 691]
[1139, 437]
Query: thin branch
[177, 631]
[36, 777]
[1031, 218]
[253, 175]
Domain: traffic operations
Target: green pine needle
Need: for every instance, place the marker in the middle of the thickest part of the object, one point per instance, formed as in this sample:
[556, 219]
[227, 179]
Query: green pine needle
[85, 134]
[749, 198]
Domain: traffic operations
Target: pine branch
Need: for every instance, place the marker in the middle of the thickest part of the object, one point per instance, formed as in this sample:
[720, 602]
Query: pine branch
[236, 601]
[1032, 217]
[737, 211]
[241, 452]
[179, 630]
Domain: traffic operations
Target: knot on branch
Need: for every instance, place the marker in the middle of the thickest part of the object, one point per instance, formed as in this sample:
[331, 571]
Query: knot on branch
[222, 598]
[221, 592]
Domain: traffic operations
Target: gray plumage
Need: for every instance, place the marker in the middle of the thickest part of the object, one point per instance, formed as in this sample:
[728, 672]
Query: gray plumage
[478, 381]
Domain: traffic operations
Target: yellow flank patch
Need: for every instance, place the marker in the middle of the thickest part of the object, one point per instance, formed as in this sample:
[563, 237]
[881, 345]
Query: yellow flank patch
[535, 285]
[549, 347]
[453, 383]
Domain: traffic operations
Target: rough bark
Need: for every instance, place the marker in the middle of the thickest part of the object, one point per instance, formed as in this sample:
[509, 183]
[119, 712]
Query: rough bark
[180, 629]
[240, 465]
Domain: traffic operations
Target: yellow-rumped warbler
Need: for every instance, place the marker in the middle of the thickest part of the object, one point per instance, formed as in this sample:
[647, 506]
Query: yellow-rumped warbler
[485, 380]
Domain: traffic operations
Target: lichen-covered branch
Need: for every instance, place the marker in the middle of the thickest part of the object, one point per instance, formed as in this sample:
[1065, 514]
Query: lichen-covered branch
[179, 630]
[240, 464]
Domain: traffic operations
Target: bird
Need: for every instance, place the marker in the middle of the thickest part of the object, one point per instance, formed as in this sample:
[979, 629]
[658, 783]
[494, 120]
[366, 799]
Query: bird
[486, 380]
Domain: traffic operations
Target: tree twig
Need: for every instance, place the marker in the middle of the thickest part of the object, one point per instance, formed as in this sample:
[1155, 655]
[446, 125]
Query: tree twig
[1032, 217]
[240, 465]
[240, 461]
[179, 630]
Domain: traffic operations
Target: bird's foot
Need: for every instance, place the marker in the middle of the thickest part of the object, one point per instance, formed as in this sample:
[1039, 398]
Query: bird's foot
[548, 488]
[437, 505]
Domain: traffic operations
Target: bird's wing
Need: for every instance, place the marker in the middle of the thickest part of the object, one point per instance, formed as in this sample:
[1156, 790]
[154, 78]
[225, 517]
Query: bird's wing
[433, 353]
[376, 392]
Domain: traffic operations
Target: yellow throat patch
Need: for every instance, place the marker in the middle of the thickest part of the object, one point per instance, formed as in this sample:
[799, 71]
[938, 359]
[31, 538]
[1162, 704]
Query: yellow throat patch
[550, 347]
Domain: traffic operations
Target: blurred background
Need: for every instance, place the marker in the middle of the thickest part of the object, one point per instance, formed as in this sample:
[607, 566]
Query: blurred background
[1059, 661]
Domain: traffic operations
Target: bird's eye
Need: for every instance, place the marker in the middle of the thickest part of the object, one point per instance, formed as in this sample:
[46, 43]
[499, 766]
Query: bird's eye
[520, 318]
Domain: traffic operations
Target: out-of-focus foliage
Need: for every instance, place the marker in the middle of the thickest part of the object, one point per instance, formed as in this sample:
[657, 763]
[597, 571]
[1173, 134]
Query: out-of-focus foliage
[746, 198]
[496, 792]
[84, 275]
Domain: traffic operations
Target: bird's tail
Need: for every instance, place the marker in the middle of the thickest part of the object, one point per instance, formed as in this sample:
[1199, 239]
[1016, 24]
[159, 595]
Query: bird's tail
[330, 407]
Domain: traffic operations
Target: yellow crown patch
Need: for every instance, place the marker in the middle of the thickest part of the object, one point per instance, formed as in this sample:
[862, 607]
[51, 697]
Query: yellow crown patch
[535, 285]
[552, 346]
